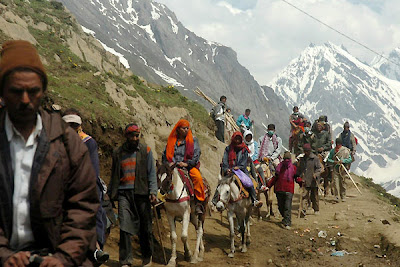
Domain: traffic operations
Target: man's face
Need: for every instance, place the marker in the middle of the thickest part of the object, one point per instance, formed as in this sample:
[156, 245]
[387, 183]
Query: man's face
[223, 100]
[22, 93]
[74, 125]
[319, 127]
[307, 153]
[182, 131]
[295, 110]
[248, 138]
[133, 138]
[247, 113]
[346, 129]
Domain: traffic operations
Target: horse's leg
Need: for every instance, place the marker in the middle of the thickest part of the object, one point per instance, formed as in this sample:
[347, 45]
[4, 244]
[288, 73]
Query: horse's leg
[232, 234]
[259, 209]
[185, 227]
[266, 194]
[199, 230]
[245, 223]
[201, 249]
[171, 220]
[270, 195]
[248, 233]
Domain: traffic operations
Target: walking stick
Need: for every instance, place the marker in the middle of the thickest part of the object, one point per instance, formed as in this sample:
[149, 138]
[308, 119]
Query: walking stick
[159, 231]
[349, 175]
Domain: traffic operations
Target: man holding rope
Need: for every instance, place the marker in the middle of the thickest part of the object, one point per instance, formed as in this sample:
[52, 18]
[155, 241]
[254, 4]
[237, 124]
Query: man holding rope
[338, 156]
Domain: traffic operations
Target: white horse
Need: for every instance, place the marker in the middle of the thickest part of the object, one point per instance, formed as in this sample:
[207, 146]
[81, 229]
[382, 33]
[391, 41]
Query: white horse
[229, 198]
[179, 206]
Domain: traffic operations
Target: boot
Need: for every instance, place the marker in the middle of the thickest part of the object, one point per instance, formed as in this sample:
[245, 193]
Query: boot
[253, 196]
[199, 208]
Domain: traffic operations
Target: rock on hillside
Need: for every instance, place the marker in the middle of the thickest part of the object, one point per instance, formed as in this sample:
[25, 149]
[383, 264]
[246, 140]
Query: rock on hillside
[158, 47]
[84, 76]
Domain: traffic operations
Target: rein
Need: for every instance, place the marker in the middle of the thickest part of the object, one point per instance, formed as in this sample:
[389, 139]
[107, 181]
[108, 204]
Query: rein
[179, 199]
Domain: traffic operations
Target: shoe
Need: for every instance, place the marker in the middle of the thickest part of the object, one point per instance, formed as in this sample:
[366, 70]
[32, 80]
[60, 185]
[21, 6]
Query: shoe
[316, 212]
[101, 256]
[287, 227]
[147, 262]
[257, 204]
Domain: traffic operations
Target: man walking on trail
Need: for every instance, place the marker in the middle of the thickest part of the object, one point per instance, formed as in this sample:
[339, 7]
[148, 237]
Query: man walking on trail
[184, 150]
[47, 181]
[270, 146]
[284, 187]
[72, 117]
[219, 117]
[338, 156]
[133, 183]
[296, 125]
[349, 141]
[244, 122]
[309, 168]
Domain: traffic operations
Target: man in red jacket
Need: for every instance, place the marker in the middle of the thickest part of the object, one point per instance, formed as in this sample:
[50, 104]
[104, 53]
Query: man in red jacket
[284, 187]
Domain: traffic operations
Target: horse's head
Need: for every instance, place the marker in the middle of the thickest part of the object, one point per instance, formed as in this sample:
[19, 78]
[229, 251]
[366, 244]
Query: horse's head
[164, 178]
[224, 192]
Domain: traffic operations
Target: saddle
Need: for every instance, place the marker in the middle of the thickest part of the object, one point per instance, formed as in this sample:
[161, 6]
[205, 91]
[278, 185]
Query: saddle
[243, 191]
[183, 173]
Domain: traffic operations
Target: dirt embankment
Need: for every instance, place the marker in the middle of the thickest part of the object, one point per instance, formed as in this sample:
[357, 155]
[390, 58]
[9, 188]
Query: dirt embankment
[364, 227]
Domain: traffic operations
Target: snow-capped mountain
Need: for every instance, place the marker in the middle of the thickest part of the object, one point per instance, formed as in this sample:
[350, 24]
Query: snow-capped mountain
[327, 80]
[388, 68]
[158, 47]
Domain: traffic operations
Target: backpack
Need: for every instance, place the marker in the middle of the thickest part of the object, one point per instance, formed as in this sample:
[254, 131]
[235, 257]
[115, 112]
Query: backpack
[212, 113]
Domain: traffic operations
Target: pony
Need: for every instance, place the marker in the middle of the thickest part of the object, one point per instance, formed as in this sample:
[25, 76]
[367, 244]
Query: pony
[179, 205]
[266, 166]
[231, 199]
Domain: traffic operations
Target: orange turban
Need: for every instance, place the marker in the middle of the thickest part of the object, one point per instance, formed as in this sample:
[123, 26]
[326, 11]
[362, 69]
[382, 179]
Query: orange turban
[170, 150]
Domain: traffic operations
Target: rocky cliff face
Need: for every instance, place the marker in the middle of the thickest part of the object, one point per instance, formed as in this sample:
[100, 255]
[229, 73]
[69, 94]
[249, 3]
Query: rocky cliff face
[389, 68]
[158, 47]
[327, 80]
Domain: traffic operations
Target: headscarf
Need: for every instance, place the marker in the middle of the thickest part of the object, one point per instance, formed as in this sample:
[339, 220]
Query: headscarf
[132, 128]
[233, 149]
[250, 144]
[173, 137]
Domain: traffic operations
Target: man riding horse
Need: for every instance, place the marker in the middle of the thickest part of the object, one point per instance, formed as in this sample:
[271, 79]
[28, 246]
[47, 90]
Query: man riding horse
[184, 150]
[235, 158]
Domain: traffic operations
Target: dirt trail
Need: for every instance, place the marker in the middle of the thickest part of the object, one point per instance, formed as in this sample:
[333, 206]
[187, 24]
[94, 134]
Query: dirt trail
[358, 220]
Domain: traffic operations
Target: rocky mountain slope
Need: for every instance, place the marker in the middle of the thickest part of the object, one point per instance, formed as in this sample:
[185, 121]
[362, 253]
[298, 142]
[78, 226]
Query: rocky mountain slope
[84, 76]
[327, 80]
[158, 47]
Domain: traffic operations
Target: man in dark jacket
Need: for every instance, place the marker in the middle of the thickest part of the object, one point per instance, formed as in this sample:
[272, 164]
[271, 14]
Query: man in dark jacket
[47, 182]
[219, 117]
[348, 140]
[309, 168]
[133, 183]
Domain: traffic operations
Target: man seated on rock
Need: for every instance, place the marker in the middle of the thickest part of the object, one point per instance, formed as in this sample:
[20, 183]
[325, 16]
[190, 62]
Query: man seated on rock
[184, 150]
[270, 146]
[47, 181]
[235, 158]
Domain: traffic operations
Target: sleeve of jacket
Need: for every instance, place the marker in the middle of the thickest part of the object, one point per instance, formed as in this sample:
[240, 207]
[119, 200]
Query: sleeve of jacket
[278, 150]
[347, 160]
[300, 167]
[80, 205]
[151, 173]
[196, 154]
[239, 120]
[112, 186]
[94, 155]
[225, 161]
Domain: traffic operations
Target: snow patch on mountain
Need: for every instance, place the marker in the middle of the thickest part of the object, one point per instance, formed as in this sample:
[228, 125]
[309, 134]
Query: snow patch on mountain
[390, 68]
[121, 57]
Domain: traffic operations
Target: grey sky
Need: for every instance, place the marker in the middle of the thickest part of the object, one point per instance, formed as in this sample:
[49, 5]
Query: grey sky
[268, 34]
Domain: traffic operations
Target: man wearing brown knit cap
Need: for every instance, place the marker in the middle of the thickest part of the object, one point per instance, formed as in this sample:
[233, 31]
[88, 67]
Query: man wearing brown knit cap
[48, 197]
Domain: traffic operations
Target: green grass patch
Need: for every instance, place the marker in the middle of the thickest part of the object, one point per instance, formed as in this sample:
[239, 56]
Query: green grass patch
[380, 192]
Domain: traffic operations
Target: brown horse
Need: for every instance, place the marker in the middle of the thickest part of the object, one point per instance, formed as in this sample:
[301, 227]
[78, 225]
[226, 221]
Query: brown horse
[266, 166]
[326, 174]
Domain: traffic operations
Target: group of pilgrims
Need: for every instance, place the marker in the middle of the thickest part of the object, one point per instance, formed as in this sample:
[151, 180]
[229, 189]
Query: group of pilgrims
[56, 208]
